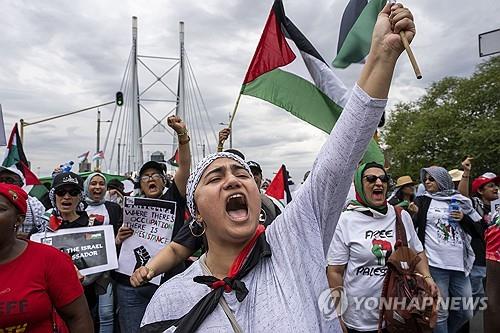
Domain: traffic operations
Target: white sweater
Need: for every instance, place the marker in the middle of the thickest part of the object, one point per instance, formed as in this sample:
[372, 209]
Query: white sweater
[284, 289]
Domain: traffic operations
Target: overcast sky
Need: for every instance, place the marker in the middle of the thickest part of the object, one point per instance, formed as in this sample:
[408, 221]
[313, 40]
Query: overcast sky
[59, 56]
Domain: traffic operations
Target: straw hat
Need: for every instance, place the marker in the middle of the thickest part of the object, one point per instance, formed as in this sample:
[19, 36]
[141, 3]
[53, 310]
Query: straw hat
[404, 180]
[456, 175]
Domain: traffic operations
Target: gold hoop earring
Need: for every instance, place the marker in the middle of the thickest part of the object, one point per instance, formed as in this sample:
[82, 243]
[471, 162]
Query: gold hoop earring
[196, 224]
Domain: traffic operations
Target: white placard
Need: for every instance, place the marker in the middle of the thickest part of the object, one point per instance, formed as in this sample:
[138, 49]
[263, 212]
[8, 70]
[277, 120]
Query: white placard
[153, 223]
[495, 206]
[92, 249]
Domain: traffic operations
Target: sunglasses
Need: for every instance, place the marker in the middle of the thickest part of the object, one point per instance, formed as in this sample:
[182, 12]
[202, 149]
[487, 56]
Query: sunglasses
[73, 192]
[373, 178]
[155, 176]
[429, 178]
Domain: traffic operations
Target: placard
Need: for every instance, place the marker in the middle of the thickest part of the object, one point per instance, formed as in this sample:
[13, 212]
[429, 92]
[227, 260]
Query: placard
[153, 223]
[92, 249]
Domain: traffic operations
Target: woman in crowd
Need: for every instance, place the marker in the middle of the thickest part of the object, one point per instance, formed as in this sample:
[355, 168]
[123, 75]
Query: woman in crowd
[271, 281]
[363, 241]
[445, 237]
[102, 212]
[404, 194]
[35, 278]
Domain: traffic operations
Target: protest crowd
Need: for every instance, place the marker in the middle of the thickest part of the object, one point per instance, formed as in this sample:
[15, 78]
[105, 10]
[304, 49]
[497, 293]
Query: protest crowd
[227, 256]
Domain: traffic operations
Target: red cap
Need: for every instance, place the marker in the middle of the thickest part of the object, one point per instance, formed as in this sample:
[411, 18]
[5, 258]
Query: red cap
[483, 180]
[15, 195]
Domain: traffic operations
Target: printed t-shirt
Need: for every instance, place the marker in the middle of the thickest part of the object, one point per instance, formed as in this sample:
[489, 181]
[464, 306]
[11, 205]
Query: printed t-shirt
[492, 237]
[443, 241]
[98, 215]
[39, 279]
[365, 244]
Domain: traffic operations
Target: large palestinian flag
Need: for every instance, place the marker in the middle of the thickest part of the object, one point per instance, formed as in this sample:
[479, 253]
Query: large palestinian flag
[319, 103]
[356, 29]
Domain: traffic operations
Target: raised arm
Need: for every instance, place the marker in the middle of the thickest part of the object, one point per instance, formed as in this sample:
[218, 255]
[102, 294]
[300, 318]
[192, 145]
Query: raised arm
[324, 192]
[182, 173]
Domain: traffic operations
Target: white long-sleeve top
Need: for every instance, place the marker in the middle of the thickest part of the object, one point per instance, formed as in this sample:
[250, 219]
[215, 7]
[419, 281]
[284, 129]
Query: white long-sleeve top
[284, 289]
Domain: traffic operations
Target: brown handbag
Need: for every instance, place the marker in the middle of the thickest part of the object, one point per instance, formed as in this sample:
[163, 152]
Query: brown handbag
[407, 304]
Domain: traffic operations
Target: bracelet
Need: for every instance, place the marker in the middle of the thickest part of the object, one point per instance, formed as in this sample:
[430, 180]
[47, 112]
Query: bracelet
[220, 147]
[427, 277]
[184, 132]
[150, 270]
[183, 142]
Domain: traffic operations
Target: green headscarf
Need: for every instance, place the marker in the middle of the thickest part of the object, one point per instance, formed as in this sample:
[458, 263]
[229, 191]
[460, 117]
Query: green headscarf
[360, 193]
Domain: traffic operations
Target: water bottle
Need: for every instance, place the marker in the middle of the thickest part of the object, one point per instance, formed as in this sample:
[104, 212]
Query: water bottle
[66, 167]
[453, 207]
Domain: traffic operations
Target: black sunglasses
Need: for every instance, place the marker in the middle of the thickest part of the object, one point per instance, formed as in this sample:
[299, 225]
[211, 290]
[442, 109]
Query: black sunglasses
[73, 192]
[373, 178]
[429, 178]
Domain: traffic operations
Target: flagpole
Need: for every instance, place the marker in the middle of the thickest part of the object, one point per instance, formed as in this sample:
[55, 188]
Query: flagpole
[234, 111]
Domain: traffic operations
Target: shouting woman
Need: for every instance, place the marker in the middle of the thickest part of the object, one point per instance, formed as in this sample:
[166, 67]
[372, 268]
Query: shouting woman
[255, 281]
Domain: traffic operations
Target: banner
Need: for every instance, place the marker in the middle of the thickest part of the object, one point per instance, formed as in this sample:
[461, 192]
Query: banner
[153, 223]
[92, 249]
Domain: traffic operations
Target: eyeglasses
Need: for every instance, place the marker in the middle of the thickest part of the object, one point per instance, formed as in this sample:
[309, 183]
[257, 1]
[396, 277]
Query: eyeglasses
[155, 176]
[73, 192]
[373, 178]
[429, 178]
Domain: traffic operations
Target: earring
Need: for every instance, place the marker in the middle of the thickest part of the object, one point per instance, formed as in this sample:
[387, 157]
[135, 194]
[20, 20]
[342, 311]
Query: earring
[195, 225]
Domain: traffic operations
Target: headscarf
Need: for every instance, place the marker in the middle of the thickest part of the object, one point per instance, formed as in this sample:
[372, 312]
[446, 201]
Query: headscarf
[195, 176]
[255, 250]
[361, 200]
[446, 190]
[86, 193]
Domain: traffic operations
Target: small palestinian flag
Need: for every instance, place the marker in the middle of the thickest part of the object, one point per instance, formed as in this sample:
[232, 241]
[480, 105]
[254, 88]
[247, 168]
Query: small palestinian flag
[319, 103]
[83, 157]
[98, 156]
[174, 160]
[278, 188]
[14, 156]
[356, 29]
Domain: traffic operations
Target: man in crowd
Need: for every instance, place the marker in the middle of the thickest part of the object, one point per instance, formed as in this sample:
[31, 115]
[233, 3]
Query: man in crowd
[33, 220]
[132, 302]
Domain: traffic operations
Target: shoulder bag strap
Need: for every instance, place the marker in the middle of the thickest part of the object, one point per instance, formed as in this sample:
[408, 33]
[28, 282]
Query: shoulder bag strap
[400, 227]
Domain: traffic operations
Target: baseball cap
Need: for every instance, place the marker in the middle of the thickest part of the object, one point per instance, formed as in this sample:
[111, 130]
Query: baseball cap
[152, 165]
[15, 195]
[13, 170]
[483, 180]
[67, 178]
[254, 165]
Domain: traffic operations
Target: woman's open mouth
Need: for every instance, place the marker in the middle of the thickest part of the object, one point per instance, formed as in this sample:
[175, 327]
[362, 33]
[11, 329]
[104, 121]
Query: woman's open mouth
[236, 207]
[378, 194]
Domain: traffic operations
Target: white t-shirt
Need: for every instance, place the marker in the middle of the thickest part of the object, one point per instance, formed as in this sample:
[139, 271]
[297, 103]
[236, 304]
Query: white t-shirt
[98, 215]
[443, 242]
[365, 243]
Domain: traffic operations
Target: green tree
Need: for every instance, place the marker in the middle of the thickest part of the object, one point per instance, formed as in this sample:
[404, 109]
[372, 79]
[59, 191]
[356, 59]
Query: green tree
[457, 117]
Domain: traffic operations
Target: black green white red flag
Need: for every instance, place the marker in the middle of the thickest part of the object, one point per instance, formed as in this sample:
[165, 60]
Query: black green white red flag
[356, 29]
[278, 188]
[319, 103]
[15, 157]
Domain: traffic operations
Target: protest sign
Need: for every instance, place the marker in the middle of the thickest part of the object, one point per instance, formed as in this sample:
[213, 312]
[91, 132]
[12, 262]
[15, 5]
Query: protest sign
[153, 223]
[92, 249]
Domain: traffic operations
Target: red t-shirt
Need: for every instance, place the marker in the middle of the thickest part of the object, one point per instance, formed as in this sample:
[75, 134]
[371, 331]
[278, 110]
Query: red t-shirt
[492, 238]
[41, 278]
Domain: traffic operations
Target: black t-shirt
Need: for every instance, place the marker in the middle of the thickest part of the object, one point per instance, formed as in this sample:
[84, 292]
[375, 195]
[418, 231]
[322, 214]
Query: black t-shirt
[81, 221]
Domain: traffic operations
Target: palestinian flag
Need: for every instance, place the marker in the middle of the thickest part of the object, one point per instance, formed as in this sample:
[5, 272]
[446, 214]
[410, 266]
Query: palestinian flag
[98, 156]
[278, 189]
[174, 160]
[319, 103]
[14, 156]
[356, 29]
